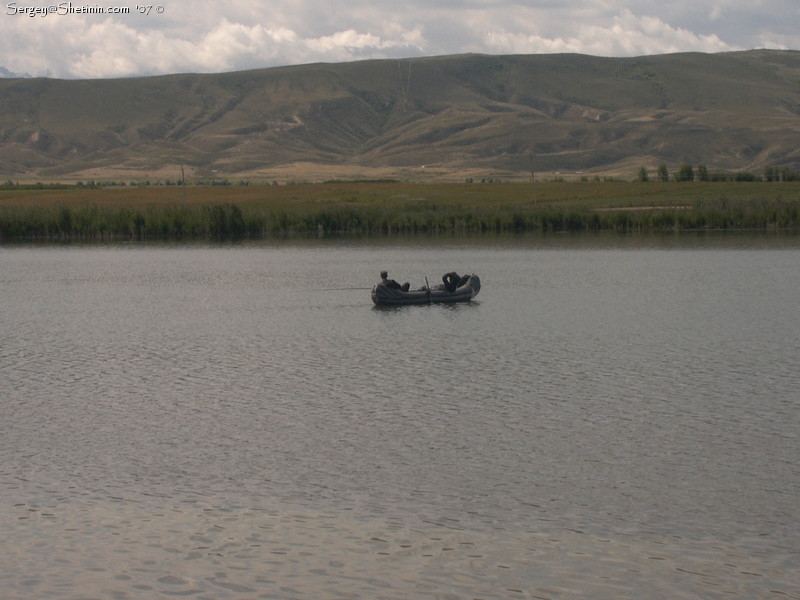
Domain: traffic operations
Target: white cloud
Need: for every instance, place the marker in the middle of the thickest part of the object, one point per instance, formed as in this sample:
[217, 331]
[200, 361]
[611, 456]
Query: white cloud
[207, 37]
[625, 35]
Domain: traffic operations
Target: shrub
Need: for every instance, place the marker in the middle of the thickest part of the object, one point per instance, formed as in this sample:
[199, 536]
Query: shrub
[685, 173]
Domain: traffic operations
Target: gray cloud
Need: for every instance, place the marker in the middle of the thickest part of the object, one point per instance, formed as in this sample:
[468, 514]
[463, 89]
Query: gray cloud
[186, 35]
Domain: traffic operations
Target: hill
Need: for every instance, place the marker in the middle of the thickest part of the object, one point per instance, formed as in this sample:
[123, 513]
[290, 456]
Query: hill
[731, 111]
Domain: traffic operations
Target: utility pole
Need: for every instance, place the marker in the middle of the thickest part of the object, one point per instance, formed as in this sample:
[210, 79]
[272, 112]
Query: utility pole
[183, 183]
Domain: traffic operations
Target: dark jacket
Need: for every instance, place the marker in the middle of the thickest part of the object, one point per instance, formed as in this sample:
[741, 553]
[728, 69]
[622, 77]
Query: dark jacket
[392, 284]
[451, 281]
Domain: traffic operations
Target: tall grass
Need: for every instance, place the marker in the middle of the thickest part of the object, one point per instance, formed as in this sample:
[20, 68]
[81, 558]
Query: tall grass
[232, 221]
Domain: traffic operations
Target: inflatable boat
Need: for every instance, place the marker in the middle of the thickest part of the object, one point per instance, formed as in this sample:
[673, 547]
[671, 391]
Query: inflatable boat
[468, 288]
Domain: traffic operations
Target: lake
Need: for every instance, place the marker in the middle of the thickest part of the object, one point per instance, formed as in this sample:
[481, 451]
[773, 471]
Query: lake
[612, 417]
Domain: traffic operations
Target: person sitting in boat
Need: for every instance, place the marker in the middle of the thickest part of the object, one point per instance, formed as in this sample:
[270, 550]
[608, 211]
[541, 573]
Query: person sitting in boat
[451, 281]
[392, 284]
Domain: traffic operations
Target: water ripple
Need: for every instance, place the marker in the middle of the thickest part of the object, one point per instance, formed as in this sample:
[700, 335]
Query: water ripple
[204, 423]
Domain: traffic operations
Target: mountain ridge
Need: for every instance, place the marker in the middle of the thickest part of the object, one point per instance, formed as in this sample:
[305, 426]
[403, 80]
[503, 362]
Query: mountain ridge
[564, 112]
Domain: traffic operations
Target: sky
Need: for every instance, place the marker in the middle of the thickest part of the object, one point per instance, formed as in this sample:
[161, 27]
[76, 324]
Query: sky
[88, 40]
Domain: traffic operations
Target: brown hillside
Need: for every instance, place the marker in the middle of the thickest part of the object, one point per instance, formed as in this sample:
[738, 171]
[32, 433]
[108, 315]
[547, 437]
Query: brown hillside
[732, 111]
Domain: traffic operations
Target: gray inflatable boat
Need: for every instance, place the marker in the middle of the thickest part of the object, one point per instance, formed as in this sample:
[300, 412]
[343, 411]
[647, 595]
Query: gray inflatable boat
[468, 288]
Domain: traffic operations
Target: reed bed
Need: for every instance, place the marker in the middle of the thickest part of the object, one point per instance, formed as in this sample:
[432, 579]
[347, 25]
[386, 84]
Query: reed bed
[182, 221]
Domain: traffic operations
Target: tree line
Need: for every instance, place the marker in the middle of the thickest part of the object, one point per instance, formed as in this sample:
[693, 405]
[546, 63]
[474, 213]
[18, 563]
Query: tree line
[686, 172]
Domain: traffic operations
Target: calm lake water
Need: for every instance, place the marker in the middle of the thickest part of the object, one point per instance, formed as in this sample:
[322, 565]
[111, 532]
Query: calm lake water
[612, 418]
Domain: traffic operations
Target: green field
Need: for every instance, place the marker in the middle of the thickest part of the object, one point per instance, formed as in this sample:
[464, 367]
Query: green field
[254, 212]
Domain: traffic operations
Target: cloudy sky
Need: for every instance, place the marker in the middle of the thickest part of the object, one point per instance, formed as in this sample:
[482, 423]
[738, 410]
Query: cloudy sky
[65, 40]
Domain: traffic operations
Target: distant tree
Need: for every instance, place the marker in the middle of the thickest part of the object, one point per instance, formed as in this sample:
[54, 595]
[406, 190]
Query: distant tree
[788, 175]
[643, 174]
[771, 174]
[663, 173]
[744, 176]
[685, 173]
[702, 172]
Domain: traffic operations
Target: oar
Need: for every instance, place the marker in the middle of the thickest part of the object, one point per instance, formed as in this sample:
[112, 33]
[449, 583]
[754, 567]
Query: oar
[430, 296]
